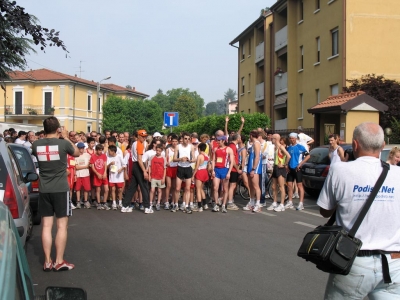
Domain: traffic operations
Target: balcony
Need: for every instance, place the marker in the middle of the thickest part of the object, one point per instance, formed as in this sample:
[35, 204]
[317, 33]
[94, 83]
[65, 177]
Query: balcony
[21, 111]
[281, 83]
[259, 52]
[260, 92]
[281, 38]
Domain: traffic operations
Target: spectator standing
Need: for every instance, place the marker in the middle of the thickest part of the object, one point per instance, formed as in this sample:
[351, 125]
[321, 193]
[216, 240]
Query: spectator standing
[82, 176]
[51, 153]
[157, 172]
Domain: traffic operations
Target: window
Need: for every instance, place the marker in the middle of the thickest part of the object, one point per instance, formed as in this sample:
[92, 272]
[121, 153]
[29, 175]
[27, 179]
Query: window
[334, 89]
[18, 102]
[301, 57]
[98, 104]
[249, 46]
[48, 102]
[318, 50]
[317, 95]
[301, 107]
[242, 85]
[89, 102]
[317, 4]
[243, 51]
[89, 127]
[335, 41]
[301, 10]
[249, 83]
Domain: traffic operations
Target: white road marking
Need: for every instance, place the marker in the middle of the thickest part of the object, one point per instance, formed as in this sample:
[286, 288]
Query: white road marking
[311, 213]
[305, 224]
[267, 214]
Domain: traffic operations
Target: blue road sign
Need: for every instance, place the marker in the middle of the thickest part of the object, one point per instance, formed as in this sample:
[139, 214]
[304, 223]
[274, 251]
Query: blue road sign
[171, 119]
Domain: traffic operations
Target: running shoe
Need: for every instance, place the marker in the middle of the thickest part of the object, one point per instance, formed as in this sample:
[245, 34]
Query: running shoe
[78, 205]
[300, 207]
[200, 209]
[47, 267]
[86, 204]
[114, 207]
[267, 196]
[119, 206]
[158, 207]
[73, 206]
[141, 207]
[215, 208]
[105, 206]
[280, 207]
[174, 207]
[232, 206]
[148, 210]
[296, 195]
[223, 209]
[188, 210]
[99, 207]
[64, 266]
[256, 208]
[289, 205]
[248, 207]
[272, 206]
[94, 203]
[195, 208]
[205, 207]
[182, 207]
[166, 205]
[124, 209]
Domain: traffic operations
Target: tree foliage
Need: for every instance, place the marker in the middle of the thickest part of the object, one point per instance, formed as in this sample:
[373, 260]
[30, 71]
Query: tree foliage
[385, 90]
[130, 115]
[18, 31]
[220, 107]
[211, 109]
[211, 124]
[167, 101]
[186, 107]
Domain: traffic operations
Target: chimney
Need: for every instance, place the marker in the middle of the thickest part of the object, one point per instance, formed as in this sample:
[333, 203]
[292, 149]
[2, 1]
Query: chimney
[76, 75]
[133, 89]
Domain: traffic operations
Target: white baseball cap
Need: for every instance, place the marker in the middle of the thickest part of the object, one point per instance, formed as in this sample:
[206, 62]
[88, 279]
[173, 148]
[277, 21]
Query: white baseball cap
[157, 134]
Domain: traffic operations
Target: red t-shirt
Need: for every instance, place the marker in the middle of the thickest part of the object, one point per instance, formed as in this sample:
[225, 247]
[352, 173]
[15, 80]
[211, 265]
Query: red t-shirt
[99, 162]
[235, 154]
[157, 166]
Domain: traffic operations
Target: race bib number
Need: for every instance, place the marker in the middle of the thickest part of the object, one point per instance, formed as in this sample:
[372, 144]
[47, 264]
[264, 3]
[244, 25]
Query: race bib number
[219, 159]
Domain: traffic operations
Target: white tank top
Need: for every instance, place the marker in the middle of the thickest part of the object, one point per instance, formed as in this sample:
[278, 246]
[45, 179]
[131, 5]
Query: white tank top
[184, 152]
[170, 158]
[334, 156]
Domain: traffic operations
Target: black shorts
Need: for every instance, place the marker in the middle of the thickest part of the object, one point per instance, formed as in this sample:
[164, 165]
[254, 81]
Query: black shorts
[184, 173]
[55, 203]
[234, 178]
[293, 174]
[277, 172]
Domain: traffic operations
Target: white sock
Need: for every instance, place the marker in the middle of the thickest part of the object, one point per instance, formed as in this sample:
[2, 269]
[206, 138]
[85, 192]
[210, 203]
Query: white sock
[120, 202]
[251, 202]
[191, 203]
[258, 202]
[230, 201]
[114, 203]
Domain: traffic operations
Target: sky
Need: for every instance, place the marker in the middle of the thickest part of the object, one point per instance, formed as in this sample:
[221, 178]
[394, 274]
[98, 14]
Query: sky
[148, 45]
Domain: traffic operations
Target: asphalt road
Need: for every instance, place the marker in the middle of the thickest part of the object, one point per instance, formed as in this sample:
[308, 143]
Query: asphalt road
[238, 255]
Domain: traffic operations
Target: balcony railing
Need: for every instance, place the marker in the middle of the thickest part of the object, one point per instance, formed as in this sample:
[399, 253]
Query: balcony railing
[259, 52]
[27, 109]
[281, 38]
[260, 92]
[281, 83]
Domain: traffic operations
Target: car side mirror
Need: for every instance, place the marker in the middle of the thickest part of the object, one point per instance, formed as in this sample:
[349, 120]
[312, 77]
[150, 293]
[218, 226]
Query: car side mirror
[65, 293]
[31, 177]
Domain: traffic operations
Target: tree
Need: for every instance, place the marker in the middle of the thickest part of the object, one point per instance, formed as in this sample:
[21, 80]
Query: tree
[221, 107]
[18, 32]
[129, 115]
[211, 108]
[385, 90]
[186, 107]
[230, 95]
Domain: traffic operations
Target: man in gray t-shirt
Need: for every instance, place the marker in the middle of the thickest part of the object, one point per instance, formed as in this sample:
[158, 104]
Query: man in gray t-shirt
[51, 153]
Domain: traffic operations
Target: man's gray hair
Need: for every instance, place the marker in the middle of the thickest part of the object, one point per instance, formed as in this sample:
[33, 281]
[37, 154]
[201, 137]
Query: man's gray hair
[370, 136]
[219, 133]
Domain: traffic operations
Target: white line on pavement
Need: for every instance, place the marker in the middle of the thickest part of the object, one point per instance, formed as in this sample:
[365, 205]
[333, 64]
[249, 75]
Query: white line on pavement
[310, 213]
[306, 224]
[267, 214]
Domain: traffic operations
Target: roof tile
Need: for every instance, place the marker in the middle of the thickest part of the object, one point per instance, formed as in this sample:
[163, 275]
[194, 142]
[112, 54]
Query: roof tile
[337, 100]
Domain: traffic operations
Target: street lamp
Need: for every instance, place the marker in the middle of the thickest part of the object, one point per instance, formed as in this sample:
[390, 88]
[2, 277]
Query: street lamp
[98, 103]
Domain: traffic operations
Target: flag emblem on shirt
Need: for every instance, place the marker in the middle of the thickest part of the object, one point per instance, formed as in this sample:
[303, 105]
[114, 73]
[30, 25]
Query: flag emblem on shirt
[48, 153]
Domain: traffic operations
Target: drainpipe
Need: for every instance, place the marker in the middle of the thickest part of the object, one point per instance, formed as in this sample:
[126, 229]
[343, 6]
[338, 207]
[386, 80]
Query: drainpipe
[272, 78]
[5, 103]
[344, 47]
[73, 111]
[237, 106]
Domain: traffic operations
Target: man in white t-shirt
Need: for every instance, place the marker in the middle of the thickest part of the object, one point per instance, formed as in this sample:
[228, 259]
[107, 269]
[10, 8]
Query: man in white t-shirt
[304, 139]
[346, 190]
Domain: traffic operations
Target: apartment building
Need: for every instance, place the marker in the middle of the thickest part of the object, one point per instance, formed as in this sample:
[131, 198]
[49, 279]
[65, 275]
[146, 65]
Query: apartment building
[310, 48]
[32, 96]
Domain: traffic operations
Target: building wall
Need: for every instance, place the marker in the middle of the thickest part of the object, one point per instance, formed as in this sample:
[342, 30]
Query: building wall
[355, 118]
[372, 46]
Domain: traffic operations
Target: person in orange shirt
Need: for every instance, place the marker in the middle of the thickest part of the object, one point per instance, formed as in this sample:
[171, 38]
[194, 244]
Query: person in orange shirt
[139, 176]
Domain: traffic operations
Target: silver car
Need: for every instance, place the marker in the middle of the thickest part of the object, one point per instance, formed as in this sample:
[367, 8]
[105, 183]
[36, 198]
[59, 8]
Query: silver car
[14, 192]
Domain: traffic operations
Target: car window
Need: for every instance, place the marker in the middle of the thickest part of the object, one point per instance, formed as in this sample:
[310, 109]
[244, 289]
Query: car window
[16, 171]
[24, 160]
[319, 156]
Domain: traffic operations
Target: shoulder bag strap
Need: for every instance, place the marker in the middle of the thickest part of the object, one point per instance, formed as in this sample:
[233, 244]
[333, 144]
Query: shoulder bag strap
[367, 204]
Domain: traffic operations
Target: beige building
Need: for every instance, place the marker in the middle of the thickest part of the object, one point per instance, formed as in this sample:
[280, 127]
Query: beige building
[32, 96]
[310, 48]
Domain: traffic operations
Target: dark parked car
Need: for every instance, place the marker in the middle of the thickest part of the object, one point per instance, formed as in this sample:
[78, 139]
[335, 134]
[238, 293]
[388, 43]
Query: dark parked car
[24, 158]
[316, 169]
[14, 191]
[15, 276]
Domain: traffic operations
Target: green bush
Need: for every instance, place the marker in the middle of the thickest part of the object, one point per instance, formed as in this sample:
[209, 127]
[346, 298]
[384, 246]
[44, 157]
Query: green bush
[212, 123]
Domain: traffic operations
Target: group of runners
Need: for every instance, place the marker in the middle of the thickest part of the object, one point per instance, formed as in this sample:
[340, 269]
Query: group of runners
[158, 171]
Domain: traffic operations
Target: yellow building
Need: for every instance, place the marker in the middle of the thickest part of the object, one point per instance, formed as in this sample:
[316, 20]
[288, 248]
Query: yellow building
[32, 96]
[314, 46]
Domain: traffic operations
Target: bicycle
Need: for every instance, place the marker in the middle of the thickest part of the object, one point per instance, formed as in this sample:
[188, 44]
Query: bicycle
[270, 191]
[242, 190]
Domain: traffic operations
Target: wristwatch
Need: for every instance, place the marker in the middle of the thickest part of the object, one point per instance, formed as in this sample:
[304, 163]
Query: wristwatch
[253, 169]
